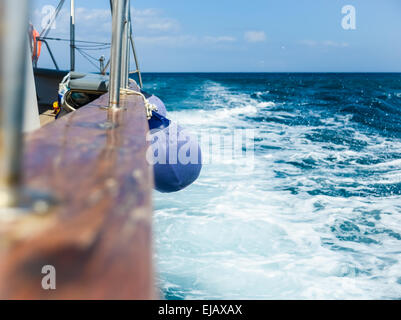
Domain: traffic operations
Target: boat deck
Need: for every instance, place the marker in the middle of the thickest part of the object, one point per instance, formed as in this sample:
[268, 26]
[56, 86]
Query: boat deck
[46, 115]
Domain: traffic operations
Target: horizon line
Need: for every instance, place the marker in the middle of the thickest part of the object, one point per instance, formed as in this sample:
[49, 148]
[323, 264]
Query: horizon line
[260, 72]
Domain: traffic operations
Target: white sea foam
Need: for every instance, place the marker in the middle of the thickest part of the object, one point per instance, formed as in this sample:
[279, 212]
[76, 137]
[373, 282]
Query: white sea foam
[281, 231]
[266, 104]
[261, 93]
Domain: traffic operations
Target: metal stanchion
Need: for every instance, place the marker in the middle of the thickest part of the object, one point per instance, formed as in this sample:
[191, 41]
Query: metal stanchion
[72, 36]
[14, 197]
[13, 48]
[119, 8]
[125, 48]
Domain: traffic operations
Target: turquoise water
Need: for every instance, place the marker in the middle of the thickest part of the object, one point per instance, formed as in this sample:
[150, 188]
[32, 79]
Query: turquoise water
[318, 215]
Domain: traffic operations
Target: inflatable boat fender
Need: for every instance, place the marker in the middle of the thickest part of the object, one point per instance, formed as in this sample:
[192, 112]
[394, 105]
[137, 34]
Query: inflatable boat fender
[175, 155]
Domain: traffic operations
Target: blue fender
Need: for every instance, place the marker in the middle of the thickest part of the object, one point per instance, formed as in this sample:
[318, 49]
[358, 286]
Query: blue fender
[175, 155]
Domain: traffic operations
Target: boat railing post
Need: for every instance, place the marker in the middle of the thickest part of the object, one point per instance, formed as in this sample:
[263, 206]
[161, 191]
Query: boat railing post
[125, 48]
[13, 50]
[119, 8]
[101, 61]
[72, 36]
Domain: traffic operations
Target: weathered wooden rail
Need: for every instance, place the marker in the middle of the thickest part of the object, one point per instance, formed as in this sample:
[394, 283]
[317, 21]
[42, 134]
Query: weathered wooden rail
[97, 234]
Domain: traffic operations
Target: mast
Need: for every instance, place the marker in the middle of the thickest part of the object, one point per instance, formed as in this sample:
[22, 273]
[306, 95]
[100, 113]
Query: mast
[72, 36]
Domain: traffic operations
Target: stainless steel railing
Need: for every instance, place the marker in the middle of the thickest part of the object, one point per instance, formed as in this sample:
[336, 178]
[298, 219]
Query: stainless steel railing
[72, 35]
[119, 9]
[128, 31]
[125, 48]
[13, 50]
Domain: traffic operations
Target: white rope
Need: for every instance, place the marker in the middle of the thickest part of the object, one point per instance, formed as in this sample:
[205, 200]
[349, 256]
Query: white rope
[149, 108]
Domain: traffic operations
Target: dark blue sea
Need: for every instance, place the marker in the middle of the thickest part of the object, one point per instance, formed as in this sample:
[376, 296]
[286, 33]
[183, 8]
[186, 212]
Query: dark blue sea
[319, 213]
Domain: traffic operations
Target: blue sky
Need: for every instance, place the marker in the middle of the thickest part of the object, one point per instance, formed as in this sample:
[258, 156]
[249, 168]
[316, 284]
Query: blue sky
[241, 36]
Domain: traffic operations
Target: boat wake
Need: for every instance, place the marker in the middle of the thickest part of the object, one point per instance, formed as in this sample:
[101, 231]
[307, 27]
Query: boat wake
[318, 216]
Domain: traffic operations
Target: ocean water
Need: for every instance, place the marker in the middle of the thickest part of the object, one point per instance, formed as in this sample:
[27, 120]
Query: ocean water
[318, 216]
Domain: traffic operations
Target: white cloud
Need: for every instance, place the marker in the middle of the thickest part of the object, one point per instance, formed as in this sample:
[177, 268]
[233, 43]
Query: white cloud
[153, 21]
[168, 40]
[309, 43]
[183, 40]
[330, 43]
[91, 24]
[219, 39]
[96, 23]
[255, 36]
[151, 27]
[326, 43]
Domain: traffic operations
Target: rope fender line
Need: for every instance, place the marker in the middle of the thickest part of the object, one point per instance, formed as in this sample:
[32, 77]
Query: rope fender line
[149, 108]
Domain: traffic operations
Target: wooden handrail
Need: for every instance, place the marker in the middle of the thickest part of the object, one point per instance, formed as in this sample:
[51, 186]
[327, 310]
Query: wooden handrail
[98, 234]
